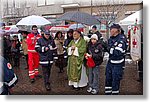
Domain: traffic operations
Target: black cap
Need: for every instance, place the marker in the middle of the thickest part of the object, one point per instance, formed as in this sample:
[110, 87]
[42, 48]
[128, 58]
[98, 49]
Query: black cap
[47, 32]
[94, 26]
[117, 26]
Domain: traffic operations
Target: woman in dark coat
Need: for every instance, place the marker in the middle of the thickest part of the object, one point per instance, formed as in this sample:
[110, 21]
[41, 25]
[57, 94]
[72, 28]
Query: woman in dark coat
[15, 49]
[66, 43]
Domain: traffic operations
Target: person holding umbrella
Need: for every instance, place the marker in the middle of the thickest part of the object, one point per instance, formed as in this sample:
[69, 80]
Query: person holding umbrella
[33, 56]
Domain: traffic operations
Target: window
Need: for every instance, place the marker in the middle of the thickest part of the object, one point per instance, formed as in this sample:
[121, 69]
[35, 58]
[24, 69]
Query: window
[49, 2]
[41, 2]
[68, 1]
[17, 3]
[28, 3]
[10, 3]
[103, 27]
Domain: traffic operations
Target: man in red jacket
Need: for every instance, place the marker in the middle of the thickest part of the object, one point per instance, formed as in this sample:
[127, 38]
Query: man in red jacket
[33, 56]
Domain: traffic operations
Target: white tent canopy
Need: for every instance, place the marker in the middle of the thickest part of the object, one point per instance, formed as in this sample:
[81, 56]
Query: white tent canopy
[130, 20]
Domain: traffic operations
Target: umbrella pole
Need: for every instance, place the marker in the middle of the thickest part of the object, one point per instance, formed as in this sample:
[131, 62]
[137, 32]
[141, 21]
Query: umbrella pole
[77, 26]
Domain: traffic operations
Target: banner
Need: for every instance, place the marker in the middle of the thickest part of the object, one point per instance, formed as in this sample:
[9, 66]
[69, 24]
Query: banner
[135, 43]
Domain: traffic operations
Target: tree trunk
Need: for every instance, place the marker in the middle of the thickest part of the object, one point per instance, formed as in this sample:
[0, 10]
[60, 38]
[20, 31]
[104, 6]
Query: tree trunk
[107, 30]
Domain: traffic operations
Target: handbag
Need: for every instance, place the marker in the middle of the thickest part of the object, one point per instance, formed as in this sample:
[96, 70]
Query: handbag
[90, 63]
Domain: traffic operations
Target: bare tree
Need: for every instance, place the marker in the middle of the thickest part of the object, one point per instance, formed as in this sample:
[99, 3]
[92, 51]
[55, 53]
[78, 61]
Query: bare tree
[16, 12]
[25, 11]
[109, 11]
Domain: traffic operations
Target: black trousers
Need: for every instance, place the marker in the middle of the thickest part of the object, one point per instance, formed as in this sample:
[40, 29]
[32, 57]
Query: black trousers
[140, 69]
[16, 62]
[46, 73]
[26, 57]
[60, 62]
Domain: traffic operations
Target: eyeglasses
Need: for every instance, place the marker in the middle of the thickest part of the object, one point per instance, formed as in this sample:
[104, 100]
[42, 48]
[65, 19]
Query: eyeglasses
[34, 29]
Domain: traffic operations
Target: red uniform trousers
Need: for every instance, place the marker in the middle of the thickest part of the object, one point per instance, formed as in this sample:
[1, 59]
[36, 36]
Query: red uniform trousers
[33, 61]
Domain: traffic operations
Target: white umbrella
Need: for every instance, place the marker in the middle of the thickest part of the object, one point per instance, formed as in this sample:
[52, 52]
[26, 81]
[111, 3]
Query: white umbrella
[33, 20]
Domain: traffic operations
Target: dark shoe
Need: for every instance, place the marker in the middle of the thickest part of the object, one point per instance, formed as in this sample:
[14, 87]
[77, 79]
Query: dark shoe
[32, 80]
[77, 89]
[15, 65]
[26, 68]
[60, 72]
[140, 80]
[72, 87]
[47, 86]
[66, 78]
[38, 76]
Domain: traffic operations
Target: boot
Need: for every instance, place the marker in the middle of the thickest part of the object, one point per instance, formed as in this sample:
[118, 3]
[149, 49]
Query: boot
[47, 86]
[32, 80]
[38, 76]
[61, 70]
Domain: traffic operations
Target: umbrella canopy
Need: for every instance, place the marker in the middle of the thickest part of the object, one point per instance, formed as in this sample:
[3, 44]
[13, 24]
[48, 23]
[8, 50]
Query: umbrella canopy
[2, 32]
[130, 20]
[11, 29]
[79, 17]
[59, 28]
[33, 20]
[76, 26]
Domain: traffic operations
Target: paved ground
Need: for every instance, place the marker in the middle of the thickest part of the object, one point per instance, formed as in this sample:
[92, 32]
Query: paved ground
[59, 83]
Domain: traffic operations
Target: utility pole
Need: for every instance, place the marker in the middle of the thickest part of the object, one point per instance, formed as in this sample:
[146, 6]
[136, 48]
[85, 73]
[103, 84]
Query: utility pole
[7, 8]
[28, 11]
[91, 7]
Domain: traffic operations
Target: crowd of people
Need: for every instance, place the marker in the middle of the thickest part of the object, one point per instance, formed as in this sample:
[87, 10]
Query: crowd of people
[82, 58]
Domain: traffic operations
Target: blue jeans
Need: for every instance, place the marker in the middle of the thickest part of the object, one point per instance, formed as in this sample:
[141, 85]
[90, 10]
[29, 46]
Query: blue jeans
[94, 76]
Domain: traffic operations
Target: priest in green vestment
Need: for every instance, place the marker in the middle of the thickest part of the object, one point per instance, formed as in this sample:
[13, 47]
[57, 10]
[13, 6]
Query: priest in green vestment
[75, 69]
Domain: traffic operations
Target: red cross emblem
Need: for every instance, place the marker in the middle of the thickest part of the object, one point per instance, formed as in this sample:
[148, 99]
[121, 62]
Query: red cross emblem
[134, 42]
[9, 66]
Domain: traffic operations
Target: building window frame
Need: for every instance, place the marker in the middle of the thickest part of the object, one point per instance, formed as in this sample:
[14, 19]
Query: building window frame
[49, 4]
[44, 3]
